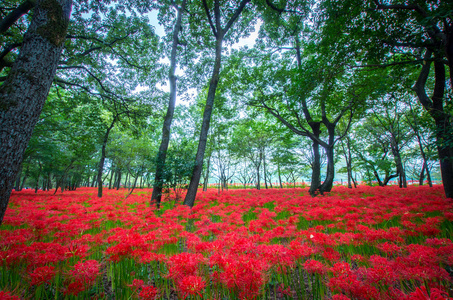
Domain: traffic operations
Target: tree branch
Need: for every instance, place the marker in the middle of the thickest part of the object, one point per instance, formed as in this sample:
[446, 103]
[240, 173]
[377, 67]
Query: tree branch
[419, 86]
[13, 16]
[236, 14]
[208, 14]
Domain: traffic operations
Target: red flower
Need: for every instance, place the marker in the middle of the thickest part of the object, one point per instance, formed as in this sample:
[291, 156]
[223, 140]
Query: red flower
[314, 266]
[148, 292]
[42, 275]
[191, 285]
[7, 296]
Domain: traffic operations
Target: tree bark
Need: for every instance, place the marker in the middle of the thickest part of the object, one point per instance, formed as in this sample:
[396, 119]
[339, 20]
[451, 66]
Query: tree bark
[24, 92]
[102, 160]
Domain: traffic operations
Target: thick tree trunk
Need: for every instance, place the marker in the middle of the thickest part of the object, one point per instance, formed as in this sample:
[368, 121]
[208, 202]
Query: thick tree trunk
[196, 174]
[316, 164]
[442, 118]
[102, 160]
[166, 129]
[24, 92]
[327, 185]
[118, 180]
[402, 183]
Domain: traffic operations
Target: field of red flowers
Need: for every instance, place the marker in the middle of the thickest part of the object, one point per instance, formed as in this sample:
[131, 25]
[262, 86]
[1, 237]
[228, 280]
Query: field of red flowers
[364, 243]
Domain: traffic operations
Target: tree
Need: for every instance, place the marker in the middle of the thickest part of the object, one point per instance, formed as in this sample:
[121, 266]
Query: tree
[24, 92]
[219, 31]
[409, 36]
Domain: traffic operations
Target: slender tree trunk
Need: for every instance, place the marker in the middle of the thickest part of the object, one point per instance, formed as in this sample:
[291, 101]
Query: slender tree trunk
[126, 179]
[18, 178]
[206, 177]
[111, 177]
[102, 160]
[196, 174]
[264, 169]
[134, 185]
[219, 33]
[279, 175]
[166, 129]
[24, 92]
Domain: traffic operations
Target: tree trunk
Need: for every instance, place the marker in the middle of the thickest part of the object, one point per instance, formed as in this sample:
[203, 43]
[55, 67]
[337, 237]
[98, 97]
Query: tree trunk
[162, 154]
[18, 178]
[402, 183]
[118, 180]
[206, 177]
[102, 160]
[135, 183]
[264, 168]
[111, 177]
[316, 165]
[24, 92]
[279, 175]
[125, 180]
[196, 174]
[442, 118]
[219, 33]
[327, 185]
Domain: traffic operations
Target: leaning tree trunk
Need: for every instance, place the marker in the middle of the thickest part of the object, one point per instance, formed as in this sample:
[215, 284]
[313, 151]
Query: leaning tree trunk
[189, 200]
[162, 154]
[219, 33]
[24, 92]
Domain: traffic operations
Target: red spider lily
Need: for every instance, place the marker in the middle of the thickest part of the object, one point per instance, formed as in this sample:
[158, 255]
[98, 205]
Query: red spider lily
[340, 297]
[83, 275]
[244, 273]
[7, 296]
[42, 275]
[281, 289]
[74, 288]
[191, 286]
[422, 294]
[148, 292]
[314, 266]
[184, 264]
